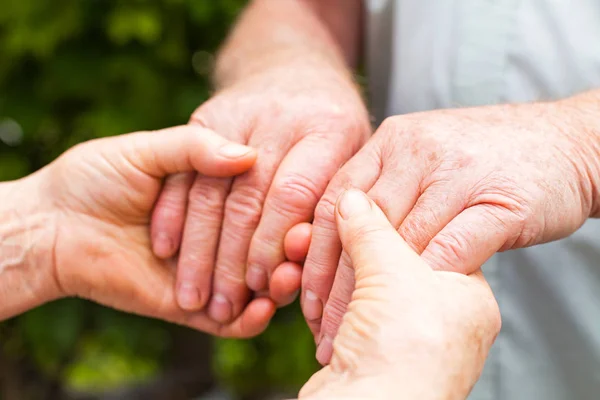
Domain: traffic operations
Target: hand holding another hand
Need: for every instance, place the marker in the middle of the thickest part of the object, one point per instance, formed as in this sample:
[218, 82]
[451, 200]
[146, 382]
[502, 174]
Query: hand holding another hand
[459, 185]
[97, 200]
[409, 332]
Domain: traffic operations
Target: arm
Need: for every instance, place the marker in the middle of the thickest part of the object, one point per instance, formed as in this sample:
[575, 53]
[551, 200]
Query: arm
[579, 118]
[462, 184]
[307, 34]
[26, 241]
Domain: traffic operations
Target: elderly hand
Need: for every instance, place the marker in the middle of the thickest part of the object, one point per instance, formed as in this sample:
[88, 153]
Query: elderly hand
[410, 332]
[96, 201]
[304, 125]
[460, 185]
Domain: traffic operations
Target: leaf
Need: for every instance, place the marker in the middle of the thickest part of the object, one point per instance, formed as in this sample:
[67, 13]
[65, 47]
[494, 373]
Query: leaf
[51, 332]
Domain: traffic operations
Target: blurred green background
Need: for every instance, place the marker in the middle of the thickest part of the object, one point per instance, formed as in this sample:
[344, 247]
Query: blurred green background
[72, 70]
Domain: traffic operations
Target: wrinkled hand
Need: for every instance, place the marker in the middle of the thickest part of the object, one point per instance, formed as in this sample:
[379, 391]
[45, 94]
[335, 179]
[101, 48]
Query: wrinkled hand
[103, 192]
[459, 185]
[304, 128]
[410, 332]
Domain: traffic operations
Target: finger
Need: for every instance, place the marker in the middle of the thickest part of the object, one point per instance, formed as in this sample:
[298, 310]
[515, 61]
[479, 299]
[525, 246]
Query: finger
[434, 209]
[325, 248]
[200, 241]
[299, 183]
[253, 320]
[243, 209]
[285, 283]
[150, 292]
[395, 192]
[168, 217]
[335, 308]
[471, 238]
[297, 241]
[373, 245]
[183, 149]
[374, 250]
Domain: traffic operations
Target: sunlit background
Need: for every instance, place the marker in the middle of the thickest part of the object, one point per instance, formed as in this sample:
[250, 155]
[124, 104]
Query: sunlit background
[72, 70]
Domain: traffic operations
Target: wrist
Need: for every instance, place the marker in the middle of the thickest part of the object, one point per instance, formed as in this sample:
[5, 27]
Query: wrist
[27, 236]
[277, 33]
[329, 91]
[286, 60]
[579, 118]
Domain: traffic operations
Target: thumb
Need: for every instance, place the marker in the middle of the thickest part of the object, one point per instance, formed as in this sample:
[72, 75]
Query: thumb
[182, 149]
[372, 243]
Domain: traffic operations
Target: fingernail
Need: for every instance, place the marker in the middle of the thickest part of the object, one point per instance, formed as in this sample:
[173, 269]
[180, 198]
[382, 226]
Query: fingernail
[325, 350]
[256, 278]
[312, 307]
[234, 150]
[188, 296]
[220, 308]
[163, 246]
[353, 202]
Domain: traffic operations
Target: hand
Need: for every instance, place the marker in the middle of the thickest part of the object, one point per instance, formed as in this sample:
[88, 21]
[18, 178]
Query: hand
[102, 194]
[459, 185]
[409, 332]
[304, 127]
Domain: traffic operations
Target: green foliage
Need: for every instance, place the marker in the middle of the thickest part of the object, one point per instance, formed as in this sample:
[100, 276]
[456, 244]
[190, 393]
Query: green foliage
[283, 357]
[51, 332]
[72, 70]
[120, 349]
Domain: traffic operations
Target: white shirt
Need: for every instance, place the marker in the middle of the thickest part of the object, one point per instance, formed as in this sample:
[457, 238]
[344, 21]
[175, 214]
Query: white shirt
[429, 54]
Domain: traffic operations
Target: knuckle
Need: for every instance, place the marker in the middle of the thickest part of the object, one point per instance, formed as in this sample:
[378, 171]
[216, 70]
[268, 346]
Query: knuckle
[295, 193]
[207, 193]
[319, 276]
[391, 130]
[388, 124]
[525, 228]
[190, 259]
[325, 210]
[230, 274]
[453, 249]
[266, 251]
[244, 206]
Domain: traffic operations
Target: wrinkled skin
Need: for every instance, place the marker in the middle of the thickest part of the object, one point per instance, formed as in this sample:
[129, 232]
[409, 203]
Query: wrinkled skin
[101, 195]
[459, 185]
[409, 332]
[304, 127]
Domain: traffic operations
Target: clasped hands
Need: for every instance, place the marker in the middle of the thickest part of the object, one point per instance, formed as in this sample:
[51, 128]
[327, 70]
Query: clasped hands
[456, 185]
[80, 227]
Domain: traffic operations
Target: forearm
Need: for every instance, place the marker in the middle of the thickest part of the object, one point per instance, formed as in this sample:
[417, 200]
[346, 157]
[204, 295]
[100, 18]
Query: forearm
[579, 117]
[26, 271]
[299, 35]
